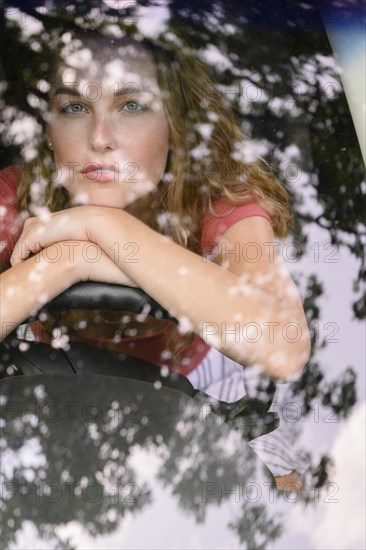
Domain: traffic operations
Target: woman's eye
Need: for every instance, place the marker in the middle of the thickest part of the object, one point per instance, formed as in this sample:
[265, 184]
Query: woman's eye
[73, 108]
[134, 106]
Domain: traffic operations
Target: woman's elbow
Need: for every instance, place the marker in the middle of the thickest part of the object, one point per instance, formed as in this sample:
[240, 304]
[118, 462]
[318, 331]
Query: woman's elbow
[288, 357]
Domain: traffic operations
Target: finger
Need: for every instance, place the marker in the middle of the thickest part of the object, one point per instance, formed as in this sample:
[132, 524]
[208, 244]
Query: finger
[30, 242]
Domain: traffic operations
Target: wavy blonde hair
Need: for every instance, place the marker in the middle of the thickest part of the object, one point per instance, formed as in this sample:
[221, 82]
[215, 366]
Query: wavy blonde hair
[204, 162]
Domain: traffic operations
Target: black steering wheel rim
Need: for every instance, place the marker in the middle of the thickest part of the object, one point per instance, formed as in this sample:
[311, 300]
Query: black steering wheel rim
[81, 358]
[93, 295]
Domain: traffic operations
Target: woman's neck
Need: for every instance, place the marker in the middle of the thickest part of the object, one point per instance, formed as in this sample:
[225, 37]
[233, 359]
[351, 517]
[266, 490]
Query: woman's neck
[145, 208]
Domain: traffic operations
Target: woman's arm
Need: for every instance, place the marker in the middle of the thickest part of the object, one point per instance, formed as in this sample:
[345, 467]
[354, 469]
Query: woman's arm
[249, 311]
[236, 307]
[27, 286]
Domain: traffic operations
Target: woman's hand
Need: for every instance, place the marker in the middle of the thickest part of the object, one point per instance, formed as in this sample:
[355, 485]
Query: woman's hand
[27, 286]
[68, 231]
[42, 231]
[79, 261]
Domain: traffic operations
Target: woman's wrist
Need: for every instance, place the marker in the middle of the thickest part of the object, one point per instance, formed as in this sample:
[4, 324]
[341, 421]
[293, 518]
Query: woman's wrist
[106, 229]
[27, 286]
[72, 265]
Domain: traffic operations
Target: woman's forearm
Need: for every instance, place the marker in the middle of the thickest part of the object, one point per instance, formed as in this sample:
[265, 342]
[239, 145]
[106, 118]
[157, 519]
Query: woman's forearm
[26, 287]
[30, 284]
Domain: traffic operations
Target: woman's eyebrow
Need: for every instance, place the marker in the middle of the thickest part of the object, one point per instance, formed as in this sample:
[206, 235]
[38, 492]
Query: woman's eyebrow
[69, 90]
[130, 89]
[126, 90]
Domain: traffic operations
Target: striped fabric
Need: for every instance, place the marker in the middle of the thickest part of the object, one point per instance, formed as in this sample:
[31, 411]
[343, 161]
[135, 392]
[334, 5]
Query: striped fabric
[222, 378]
[219, 377]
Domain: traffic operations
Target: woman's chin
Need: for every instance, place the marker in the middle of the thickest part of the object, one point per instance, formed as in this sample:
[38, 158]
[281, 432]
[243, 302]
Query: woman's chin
[129, 201]
[100, 199]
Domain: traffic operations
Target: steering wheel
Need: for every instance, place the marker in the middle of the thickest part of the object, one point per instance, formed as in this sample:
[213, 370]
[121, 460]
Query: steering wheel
[30, 358]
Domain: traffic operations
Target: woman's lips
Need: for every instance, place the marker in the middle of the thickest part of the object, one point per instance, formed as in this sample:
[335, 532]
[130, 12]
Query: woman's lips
[101, 175]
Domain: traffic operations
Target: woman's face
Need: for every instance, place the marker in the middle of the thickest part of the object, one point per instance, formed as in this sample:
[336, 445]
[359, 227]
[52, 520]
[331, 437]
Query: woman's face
[107, 125]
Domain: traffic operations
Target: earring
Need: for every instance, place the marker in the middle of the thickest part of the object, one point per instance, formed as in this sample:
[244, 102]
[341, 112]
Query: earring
[49, 143]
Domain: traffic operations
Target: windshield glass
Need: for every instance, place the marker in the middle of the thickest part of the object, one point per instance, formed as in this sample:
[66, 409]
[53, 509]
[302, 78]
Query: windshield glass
[100, 448]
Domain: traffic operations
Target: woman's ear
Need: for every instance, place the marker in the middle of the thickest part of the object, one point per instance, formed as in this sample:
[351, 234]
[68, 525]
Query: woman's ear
[49, 142]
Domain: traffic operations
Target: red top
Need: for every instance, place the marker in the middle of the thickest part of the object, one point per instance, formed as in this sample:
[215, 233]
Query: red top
[10, 222]
[150, 347]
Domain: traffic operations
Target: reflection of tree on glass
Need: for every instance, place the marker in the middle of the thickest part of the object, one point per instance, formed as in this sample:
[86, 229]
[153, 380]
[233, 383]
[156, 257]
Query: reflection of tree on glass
[150, 188]
[72, 452]
[292, 104]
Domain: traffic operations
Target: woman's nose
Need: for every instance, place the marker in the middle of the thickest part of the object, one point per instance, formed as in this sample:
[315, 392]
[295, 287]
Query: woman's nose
[102, 134]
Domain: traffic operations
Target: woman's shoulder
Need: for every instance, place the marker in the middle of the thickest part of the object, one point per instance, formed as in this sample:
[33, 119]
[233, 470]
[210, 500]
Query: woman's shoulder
[223, 207]
[9, 179]
[10, 175]
[11, 222]
[224, 215]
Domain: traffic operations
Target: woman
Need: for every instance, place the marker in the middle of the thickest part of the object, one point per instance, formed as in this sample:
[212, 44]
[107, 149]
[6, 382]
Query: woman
[149, 185]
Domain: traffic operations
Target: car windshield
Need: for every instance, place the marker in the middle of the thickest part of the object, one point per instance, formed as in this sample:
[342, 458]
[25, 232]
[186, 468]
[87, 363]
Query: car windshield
[101, 449]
